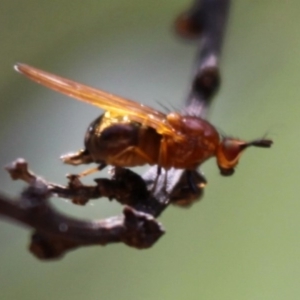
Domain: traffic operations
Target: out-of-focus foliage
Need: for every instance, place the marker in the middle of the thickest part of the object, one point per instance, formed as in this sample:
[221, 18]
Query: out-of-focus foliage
[242, 241]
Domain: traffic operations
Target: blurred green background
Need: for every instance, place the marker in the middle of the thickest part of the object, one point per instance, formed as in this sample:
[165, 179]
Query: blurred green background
[242, 240]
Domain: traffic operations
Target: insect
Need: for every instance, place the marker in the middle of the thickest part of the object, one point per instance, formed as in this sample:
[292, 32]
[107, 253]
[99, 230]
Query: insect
[129, 134]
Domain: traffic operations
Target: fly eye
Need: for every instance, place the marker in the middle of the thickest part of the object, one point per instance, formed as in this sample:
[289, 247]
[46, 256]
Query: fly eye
[228, 155]
[232, 149]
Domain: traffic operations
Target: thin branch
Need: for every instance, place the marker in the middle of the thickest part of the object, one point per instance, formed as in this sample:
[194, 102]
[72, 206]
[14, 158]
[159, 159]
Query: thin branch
[54, 233]
[206, 22]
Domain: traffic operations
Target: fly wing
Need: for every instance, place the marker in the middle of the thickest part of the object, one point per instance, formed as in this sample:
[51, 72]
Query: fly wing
[109, 102]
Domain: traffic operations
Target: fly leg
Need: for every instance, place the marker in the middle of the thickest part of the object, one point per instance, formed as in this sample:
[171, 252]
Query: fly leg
[130, 152]
[158, 172]
[92, 170]
[128, 155]
[161, 162]
[77, 158]
[166, 180]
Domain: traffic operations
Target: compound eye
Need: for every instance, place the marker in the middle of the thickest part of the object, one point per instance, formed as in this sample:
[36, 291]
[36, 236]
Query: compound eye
[232, 149]
[228, 155]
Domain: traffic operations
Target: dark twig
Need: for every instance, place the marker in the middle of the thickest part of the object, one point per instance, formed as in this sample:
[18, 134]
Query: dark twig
[205, 21]
[54, 234]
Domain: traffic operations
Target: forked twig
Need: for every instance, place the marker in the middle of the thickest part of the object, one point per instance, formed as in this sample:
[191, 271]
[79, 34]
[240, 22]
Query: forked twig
[54, 233]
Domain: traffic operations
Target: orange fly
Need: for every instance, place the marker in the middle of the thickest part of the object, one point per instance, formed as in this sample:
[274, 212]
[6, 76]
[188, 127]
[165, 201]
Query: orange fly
[130, 134]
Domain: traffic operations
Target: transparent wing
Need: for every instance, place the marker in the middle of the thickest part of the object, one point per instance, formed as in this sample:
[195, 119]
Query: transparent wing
[115, 104]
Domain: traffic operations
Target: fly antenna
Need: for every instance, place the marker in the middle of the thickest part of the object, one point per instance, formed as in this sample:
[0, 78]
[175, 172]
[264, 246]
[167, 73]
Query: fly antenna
[262, 143]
